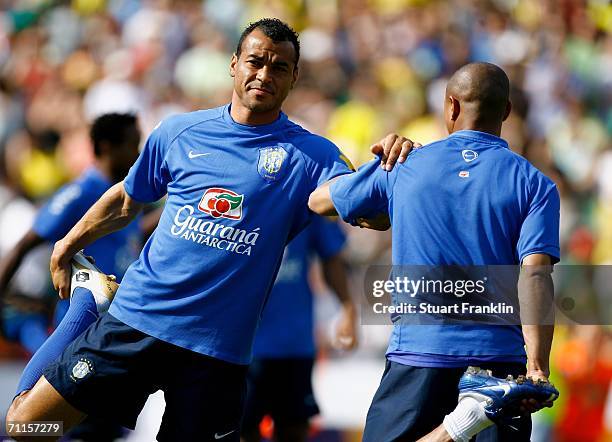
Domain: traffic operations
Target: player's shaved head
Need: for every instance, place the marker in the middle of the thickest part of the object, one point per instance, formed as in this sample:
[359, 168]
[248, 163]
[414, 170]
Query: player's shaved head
[482, 91]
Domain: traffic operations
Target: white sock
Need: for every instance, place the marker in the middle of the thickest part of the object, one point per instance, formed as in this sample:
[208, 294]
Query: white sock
[466, 420]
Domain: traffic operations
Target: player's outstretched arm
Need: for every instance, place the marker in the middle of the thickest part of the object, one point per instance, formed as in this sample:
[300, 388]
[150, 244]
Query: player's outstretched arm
[364, 192]
[537, 313]
[320, 201]
[113, 211]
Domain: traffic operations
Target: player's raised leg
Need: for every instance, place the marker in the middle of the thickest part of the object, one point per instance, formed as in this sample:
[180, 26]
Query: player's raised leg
[36, 399]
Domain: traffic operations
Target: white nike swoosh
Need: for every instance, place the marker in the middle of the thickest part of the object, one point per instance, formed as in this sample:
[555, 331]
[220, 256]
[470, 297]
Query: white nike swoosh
[195, 155]
[506, 388]
[221, 436]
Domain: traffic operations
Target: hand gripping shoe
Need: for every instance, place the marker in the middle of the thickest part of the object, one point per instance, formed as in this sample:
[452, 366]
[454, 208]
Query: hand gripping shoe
[86, 275]
[503, 397]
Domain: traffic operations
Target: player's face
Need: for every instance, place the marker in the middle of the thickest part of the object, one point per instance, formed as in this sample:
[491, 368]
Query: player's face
[264, 73]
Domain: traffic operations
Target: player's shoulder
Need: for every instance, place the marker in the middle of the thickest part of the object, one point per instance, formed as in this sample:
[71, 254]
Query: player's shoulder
[307, 142]
[173, 126]
[530, 171]
[537, 181]
[429, 151]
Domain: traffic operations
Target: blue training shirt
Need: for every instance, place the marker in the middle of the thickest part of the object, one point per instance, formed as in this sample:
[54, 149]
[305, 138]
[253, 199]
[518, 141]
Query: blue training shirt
[236, 195]
[113, 253]
[464, 200]
[286, 328]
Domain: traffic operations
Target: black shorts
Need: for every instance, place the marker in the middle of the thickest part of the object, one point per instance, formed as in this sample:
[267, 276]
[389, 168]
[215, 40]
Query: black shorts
[412, 401]
[111, 369]
[280, 388]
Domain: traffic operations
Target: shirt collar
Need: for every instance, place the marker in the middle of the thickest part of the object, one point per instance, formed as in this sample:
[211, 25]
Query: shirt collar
[258, 129]
[482, 137]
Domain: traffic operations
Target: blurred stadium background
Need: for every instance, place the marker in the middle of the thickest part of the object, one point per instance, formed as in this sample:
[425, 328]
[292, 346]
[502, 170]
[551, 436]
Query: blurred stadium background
[368, 67]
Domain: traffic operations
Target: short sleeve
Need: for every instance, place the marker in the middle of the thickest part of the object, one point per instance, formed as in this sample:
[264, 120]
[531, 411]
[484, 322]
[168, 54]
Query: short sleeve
[327, 238]
[324, 161]
[540, 228]
[363, 193]
[148, 178]
[55, 219]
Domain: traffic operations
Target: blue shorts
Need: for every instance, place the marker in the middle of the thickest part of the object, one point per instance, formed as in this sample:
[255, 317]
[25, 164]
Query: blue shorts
[280, 388]
[111, 369]
[412, 401]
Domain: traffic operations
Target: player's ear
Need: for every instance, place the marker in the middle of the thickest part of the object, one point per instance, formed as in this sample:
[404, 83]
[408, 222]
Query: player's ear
[454, 108]
[508, 110]
[232, 66]
[296, 74]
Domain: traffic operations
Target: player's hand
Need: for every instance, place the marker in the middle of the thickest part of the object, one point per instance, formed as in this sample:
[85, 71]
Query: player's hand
[380, 222]
[393, 148]
[60, 269]
[346, 328]
[529, 406]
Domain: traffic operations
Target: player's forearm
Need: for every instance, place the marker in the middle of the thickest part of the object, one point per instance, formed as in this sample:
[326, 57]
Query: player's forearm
[113, 211]
[538, 339]
[538, 326]
[536, 294]
[320, 200]
[11, 262]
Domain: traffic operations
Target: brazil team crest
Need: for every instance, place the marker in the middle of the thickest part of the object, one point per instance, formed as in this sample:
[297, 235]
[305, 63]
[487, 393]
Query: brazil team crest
[81, 369]
[272, 162]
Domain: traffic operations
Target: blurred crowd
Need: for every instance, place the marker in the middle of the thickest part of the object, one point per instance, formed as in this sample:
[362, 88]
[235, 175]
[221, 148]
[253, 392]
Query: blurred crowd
[368, 67]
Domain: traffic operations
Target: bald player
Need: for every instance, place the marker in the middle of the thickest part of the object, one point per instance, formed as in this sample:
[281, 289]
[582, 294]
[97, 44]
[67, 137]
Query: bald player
[472, 201]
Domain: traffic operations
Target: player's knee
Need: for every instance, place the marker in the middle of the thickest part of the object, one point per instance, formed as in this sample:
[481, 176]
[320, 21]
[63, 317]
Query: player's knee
[18, 413]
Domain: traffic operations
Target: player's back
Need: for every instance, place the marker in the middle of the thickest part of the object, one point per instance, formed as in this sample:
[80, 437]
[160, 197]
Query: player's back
[466, 200]
[469, 200]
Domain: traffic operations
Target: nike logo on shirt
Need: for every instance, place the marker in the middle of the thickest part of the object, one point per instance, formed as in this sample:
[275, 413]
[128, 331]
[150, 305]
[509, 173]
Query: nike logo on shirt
[192, 155]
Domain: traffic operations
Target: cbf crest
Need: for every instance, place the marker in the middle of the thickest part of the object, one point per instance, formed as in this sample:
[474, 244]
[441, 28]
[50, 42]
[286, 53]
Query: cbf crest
[81, 369]
[272, 163]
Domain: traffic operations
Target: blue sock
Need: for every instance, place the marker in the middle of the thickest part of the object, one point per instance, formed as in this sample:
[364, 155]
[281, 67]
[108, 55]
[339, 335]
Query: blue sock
[80, 315]
[34, 332]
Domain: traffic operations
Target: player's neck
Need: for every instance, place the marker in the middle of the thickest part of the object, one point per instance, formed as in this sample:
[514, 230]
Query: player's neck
[489, 128]
[244, 115]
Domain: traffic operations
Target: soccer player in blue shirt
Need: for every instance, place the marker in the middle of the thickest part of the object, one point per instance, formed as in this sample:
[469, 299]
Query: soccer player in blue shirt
[280, 376]
[115, 139]
[237, 179]
[472, 201]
